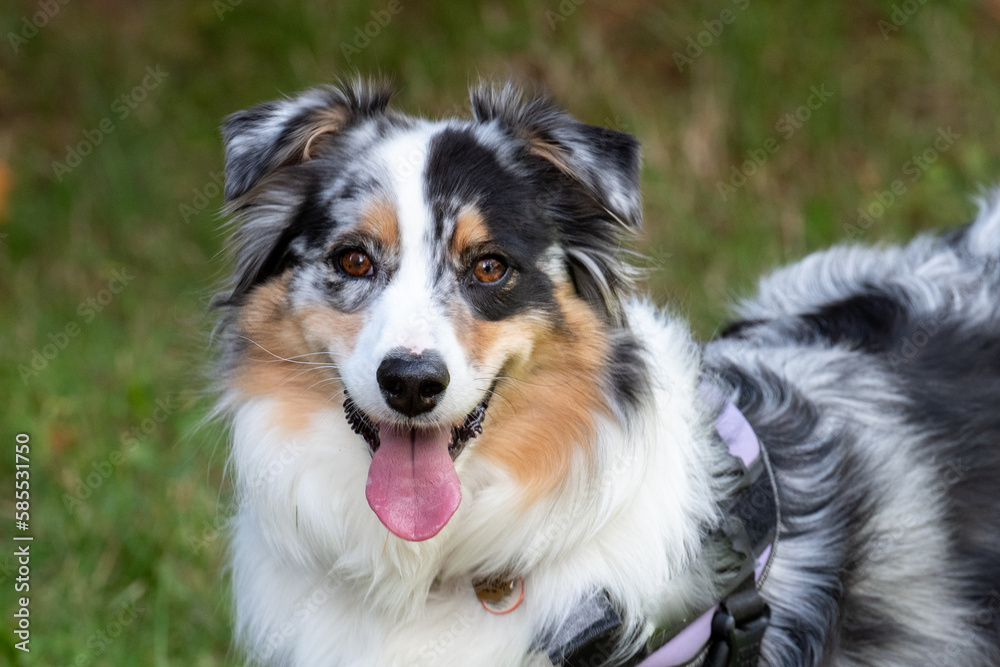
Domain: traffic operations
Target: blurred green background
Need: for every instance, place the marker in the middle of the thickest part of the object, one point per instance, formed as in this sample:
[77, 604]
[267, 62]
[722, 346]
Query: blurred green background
[766, 127]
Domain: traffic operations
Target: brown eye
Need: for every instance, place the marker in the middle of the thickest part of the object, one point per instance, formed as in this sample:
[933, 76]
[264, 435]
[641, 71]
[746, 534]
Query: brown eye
[489, 269]
[356, 263]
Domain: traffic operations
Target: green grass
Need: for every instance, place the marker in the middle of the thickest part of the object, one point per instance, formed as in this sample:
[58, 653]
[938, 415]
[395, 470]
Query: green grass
[145, 543]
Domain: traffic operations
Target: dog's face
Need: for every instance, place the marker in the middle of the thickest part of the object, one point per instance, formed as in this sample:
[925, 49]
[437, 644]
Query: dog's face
[425, 266]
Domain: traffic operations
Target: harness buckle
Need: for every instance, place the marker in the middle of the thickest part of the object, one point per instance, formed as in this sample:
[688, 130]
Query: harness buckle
[737, 630]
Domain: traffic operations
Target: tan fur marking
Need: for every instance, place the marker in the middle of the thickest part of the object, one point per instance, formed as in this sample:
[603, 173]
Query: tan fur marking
[326, 328]
[470, 230]
[547, 151]
[492, 344]
[324, 122]
[279, 338]
[379, 221]
[545, 411]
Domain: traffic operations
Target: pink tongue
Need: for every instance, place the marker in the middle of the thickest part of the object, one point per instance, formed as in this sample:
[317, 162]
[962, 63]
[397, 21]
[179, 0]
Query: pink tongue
[412, 484]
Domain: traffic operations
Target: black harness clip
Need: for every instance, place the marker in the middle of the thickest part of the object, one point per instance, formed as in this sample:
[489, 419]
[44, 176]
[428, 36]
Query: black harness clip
[737, 630]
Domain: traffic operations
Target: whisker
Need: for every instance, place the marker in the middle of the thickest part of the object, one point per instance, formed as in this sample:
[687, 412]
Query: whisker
[323, 381]
[292, 359]
[307, 354]
[492, 391]
[302, 371]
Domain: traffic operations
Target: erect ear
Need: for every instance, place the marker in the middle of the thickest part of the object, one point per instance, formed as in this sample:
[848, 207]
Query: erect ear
[605, 162]
[264, 140]
[290, 131]
[596, 198]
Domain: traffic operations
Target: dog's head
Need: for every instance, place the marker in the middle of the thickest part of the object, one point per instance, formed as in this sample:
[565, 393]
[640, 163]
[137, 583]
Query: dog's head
[426, 267]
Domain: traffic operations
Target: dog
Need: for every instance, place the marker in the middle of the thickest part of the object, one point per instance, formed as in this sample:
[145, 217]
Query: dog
[459, 437]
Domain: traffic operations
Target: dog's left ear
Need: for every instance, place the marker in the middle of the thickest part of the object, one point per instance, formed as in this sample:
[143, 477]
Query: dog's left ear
[595, 198]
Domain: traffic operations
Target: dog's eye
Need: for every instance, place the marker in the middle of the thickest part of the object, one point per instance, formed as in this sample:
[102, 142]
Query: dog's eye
[489, 269]
[357, 264]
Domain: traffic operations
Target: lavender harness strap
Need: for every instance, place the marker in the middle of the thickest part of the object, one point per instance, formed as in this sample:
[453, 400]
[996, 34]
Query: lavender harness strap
[736, 432]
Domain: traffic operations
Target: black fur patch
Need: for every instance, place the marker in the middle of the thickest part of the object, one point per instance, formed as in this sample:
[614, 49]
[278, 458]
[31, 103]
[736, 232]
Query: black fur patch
[311, 220]
[461, 170]
[739, 328]
[867, 322]
[627, 371]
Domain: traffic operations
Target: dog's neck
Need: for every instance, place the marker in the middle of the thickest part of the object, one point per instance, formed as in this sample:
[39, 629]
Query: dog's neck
[650, 481]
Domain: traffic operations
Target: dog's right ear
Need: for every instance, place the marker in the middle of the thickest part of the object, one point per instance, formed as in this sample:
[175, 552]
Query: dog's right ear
[290, 131]
[263, 140]
[597, 201]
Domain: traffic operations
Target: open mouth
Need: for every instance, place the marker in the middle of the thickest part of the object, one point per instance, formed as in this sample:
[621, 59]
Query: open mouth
[470, 427]
[412, 484]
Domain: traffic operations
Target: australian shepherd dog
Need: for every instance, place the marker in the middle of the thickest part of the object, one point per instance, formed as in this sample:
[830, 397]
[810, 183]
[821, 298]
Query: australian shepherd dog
[459, 437]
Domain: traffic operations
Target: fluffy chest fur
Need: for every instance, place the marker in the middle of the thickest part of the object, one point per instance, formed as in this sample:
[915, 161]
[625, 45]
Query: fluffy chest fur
[318, 576]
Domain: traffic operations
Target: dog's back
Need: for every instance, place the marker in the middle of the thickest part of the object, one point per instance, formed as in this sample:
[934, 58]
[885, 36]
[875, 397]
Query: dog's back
[873, 378]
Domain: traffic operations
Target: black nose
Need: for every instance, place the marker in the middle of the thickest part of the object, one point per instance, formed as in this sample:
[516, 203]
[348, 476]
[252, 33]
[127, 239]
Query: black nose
[412, 383]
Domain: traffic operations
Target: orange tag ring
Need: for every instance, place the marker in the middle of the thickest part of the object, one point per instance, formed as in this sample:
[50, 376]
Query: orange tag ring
[494, 599]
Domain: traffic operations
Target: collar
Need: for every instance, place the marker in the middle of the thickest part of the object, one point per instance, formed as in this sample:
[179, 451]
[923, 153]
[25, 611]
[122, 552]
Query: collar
[728, 634]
